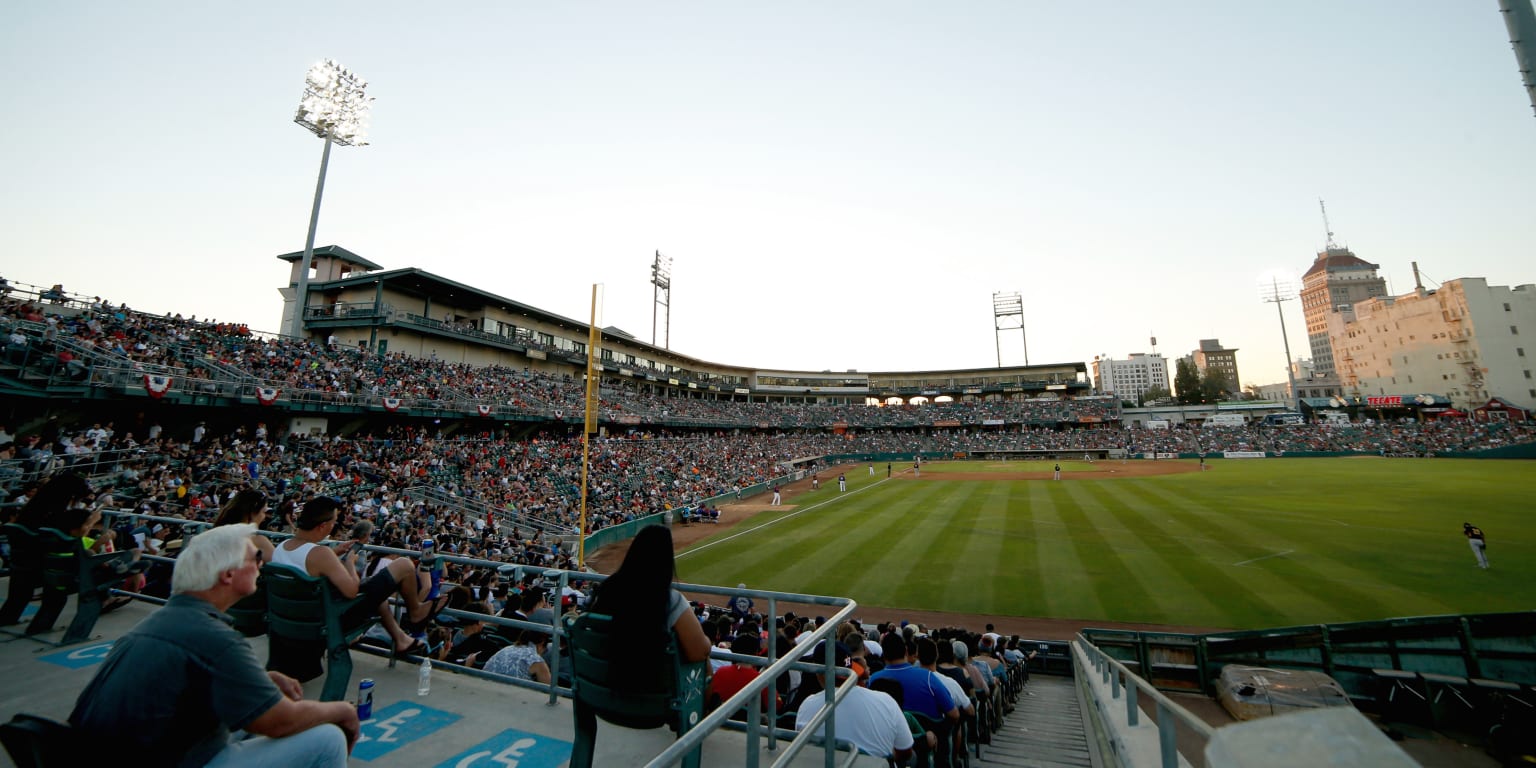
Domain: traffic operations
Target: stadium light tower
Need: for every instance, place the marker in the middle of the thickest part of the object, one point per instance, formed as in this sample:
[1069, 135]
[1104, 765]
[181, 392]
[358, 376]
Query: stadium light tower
[335, 108]
[661, 295]
[1008, 308]
[1277, 292]
[1520, 20]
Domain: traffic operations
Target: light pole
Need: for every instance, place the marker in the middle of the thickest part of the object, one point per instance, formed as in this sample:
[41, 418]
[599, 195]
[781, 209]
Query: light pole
[335, 108]
[1278, 293]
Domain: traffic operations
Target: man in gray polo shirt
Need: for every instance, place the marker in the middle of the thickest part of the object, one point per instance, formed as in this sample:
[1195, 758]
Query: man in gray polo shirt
[174, 687]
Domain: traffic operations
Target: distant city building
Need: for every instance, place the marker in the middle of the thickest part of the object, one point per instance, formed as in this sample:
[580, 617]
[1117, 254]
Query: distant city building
[1308, 384]
[1211, 356]
[1336, 281]
[1468, 341]
[1279, 392]
[1132, 377]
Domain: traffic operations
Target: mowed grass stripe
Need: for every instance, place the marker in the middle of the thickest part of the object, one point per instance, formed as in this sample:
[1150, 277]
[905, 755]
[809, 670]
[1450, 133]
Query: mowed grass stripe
[985, 528]
[1201, 558]
[1068, 584]
[1157, 556]
[1300, 575]
[1372, 538]
[882, 573]
[1118, 586]
[799, 554]
[936, 543]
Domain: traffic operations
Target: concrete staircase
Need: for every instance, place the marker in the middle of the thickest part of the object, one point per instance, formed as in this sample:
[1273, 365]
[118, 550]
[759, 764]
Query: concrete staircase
[1045, 729]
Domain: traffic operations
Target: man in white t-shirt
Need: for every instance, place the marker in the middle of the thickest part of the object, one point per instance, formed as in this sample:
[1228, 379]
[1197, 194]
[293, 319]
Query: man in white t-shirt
[871, 720]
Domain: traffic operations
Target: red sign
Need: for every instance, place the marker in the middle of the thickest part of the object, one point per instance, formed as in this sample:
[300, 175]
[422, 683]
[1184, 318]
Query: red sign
[1380, 401]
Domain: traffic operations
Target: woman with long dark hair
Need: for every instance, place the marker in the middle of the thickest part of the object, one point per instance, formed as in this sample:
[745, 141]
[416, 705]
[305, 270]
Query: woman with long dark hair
[248, 506]
[644, 605]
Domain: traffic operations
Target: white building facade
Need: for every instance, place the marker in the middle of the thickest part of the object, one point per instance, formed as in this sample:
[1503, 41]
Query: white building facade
[1130, 378]
[1467, 340]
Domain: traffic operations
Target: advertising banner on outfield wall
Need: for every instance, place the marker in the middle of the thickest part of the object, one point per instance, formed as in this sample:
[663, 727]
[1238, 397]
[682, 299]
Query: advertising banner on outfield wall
[1242, 454]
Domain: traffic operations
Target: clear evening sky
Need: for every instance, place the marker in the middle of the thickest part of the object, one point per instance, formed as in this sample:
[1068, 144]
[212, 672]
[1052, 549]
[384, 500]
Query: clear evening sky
[839, 185]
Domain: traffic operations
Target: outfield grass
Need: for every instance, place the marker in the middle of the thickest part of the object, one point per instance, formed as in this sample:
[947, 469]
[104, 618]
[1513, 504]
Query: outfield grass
[1251, 543]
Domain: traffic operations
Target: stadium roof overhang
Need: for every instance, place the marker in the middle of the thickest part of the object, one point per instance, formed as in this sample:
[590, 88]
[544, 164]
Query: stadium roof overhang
[334, 251]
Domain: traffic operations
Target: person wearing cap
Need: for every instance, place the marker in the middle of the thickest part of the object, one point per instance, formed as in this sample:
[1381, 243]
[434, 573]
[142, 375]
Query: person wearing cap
[217, 685]
[1478, 542]
[741, 605]
[306, 554]
[728, 681]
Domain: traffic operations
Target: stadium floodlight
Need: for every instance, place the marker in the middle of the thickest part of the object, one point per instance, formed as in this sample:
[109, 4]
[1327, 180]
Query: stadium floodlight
[1276, 291]
[1007, 309]
[335, 108]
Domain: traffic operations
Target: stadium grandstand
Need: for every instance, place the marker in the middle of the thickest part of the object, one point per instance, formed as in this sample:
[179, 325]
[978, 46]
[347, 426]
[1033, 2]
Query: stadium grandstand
[436, 411]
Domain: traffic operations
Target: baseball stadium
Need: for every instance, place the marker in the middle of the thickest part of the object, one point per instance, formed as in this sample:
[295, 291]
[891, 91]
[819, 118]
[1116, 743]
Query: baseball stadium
[1125, 595]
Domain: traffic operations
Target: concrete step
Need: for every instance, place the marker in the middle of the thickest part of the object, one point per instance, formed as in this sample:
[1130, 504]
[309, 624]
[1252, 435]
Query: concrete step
[1045, 729]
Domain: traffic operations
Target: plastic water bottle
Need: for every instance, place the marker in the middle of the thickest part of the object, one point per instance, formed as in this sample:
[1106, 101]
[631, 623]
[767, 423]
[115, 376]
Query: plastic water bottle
[424, 678]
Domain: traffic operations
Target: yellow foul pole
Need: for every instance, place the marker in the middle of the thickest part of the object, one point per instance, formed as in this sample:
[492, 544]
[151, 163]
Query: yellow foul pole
[589, 426]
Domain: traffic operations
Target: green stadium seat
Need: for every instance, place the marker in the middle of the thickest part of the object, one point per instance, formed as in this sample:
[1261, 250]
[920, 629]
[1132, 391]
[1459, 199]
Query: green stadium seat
[69, 569]
[303, 622]
[672, 697]
[1401, 696]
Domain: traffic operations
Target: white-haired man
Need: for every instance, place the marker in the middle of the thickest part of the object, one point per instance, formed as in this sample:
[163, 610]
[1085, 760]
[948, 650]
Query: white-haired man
[174, 688]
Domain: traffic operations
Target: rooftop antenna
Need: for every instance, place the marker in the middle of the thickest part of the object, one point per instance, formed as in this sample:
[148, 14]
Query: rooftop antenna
[1326, 228]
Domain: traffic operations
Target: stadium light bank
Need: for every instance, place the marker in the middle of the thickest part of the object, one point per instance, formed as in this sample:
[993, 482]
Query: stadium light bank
[334, 107]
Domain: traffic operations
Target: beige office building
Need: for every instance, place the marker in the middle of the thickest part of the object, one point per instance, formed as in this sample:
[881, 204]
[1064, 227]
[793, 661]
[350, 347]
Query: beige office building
[1336, 280]
[1467, 340]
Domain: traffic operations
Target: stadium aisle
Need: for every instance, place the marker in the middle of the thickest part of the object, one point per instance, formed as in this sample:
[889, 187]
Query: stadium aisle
[1044, 729]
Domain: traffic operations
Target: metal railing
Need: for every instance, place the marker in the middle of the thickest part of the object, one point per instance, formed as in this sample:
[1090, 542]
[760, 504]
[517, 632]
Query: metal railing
[1115, 693]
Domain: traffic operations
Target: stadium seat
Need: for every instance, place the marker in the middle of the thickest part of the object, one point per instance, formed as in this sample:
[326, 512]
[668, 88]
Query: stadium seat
[250, 614]
[673, 696]
[1401, 696]
[940, 757]
[69, 569]
[1450, 701]
[37, 742]
[304, 621]
[26, 571]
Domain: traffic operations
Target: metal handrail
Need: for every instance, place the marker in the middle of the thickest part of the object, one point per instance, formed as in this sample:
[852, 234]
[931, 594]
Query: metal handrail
[1127, 685]
[749, 695]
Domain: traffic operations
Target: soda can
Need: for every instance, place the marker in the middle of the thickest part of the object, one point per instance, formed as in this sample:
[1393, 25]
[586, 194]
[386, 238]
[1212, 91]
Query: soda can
[365, 699]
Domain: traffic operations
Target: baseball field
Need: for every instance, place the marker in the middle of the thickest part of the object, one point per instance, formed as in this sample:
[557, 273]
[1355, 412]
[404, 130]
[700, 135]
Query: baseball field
[1245, 544]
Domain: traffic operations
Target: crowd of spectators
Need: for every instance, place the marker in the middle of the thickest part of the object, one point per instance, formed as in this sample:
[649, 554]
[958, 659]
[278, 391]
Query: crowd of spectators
[206, 353]
[494, 496]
